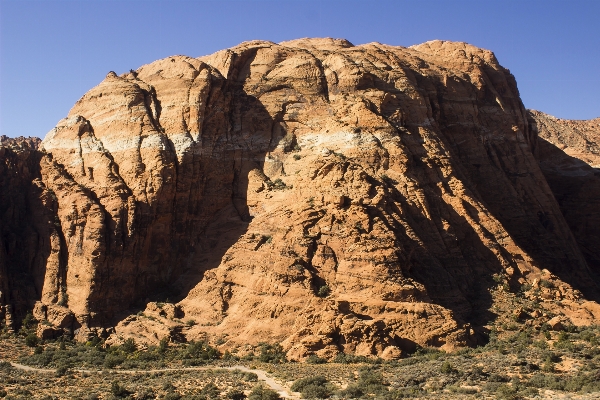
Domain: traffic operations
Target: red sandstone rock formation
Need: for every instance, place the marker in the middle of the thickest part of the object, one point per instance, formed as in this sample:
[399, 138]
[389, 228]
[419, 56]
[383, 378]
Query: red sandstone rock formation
[327, 196]
[569, 155]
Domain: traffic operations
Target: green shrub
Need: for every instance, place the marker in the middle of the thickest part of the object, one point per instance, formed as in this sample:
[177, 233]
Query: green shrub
[112, 360]
[300, 384]
[172, 396]
[351, 392]
[316, 392]
[259, 392]
[31, 340]
[210, 391]
[272, 353]
[118, 390]
[129, 346]
[324, 291]
[343, 358]
[315, 359]
[235, 394]
[62, 370]
[200, 351]
[506, 392]
[447, 368]
[29, 321]
[5, 366]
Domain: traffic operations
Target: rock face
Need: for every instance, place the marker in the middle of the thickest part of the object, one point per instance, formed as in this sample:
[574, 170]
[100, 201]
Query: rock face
[569, 155]
[327, 196]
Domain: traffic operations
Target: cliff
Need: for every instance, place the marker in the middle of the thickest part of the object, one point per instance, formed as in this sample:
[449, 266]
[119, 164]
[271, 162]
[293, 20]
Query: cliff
[327, 196]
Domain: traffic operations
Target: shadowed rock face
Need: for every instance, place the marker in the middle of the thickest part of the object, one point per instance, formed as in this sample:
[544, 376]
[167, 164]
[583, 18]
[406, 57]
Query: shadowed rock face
[315, 193]
[569, 155]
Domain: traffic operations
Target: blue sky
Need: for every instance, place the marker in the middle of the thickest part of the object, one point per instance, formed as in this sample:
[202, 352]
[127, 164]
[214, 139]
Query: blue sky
[53, 51]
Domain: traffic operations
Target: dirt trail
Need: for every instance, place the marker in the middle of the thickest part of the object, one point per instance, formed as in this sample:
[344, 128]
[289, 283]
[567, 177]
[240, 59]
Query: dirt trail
[283, 390]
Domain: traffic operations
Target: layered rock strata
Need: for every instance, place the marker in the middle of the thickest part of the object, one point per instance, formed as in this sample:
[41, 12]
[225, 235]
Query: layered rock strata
[569, 155]
[327, 196]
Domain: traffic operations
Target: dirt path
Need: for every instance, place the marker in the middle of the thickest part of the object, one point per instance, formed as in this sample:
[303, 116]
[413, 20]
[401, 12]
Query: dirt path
[283, 390]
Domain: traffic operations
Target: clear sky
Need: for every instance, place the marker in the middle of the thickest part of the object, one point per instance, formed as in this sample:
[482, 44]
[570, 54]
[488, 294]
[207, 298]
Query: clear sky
[53, 51]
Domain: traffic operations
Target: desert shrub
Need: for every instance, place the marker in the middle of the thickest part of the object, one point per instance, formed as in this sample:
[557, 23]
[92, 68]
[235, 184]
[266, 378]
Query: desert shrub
[145, 394]
[259, 392]
[31, 340]
[117, 390]
[172, 396]
[351, 392]
[343, 358]
[403, 393]
[199, 353]
[430, 353]
[324, 291]
[447, 368]
[112, 360]
[315, 359]
[300, 384]
[129, 346]
[28, 321]
[250, 377]
[498, 378]
[316, 392]
[272, 353]
[210, 391]
[506, 392]
[277, 184]
[235, 394]
[62, 370]
[5, 366]
[3, 393]
[371, 382]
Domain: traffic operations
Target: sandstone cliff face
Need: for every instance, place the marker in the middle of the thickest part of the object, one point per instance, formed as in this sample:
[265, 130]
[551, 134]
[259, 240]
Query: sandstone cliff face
[569, 155]
[327, 196]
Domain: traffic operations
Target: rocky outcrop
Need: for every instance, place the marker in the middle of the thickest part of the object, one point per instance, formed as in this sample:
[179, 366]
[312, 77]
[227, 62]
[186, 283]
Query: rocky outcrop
[569, 156]
[327, 196]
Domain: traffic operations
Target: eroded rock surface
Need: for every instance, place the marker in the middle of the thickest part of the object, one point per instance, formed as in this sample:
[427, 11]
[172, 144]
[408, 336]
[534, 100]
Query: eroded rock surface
[569, 155]
[327, 196]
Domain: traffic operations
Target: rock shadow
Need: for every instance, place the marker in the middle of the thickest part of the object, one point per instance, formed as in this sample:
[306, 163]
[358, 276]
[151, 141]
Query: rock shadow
[576, 188]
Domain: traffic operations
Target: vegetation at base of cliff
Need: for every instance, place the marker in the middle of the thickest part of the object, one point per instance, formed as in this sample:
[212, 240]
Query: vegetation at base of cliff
[516, 363]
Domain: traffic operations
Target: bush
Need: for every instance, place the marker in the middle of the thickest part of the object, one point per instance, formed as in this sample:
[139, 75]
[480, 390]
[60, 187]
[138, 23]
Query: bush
[260, 392]
[272, 353]
[31, 340]
[29, 321]
[324, 291]
[371, 382]
[351, 392]
[506, 392]
[343, 358]
[235, 394]
[5, 365]
[300, 384]
[315, 387]
[200, 352]
[117, 390]
[129, 346]
[210, 391]
[447, 368]
[112, 360]
[62, 370]
[314, 359]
